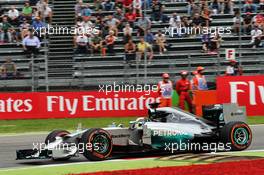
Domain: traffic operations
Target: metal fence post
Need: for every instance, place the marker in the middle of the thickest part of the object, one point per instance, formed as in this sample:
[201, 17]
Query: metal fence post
[218, 62]
[32, 73]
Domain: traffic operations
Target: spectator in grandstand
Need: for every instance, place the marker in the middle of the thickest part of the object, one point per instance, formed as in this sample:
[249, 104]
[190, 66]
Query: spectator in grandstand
[216, 42]
[96, 42]
[6, 29]
[149, 37]
[196, 24]
[86, 12]
[9, 69]
[110, 42]
[148, 3]
[78, 8]
[144, 47]
[113, 24]
[79, 23]
[40, 5]
[127, 4]
[107, 5]
[199, 81]
[119, 4]
[215, 6]
[98, 18]
[186, 23]
[156, 11]
[183, 86]
[87, 24]
[27, 11]
[47, 13]
[237, 20]
[192, 8]
[233, 68]
[35, 13]
[227, 7]
[13, 16]
[31, 45]
[206, 42]
[82, 44]
[130, 17]
[38, 26]
[165, 91]
[250, 7]
[258, 20]
[175, 25]
[261, 5]
[1, 11]
[119, 16]
[161, 42]
[100, 24]
[24, 29]
[130, 51]
[127, 30]
[256, 35]
[137, 6]
[143, 24]
[205, 15]
[247, 23]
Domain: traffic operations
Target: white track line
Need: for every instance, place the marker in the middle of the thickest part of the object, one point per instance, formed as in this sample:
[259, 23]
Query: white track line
[246, 151]
[70, 163]
[257, 125]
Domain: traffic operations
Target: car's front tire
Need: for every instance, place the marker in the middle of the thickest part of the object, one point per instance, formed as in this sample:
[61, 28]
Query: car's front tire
[99, 143]
[237, 134]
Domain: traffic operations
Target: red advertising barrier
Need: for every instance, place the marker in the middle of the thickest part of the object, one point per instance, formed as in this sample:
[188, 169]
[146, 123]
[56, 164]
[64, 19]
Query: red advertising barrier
[74, 104]
[245, 90]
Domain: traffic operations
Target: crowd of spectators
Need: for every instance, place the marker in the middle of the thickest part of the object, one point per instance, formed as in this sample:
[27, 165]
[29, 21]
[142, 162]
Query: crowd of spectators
[116, 21]
[125, 18]
[15, 24]
[22, 26]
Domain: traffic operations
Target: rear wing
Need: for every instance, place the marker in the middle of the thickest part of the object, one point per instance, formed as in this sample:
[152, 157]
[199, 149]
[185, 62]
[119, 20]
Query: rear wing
[234, 112]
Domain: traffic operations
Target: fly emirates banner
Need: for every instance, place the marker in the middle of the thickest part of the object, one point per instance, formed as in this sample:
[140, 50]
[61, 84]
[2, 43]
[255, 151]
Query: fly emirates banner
[245, 90]
[75, 104]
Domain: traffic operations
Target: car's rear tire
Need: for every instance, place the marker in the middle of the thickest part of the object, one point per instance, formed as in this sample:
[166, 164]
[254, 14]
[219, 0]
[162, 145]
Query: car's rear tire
[237, 134]
[99, 143]
[52, 137]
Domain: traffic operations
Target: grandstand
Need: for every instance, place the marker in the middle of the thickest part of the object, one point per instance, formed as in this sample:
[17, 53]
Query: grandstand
[59, 68]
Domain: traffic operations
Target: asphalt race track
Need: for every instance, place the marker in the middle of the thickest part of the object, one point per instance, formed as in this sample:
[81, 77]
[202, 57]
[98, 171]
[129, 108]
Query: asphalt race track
[9, 145]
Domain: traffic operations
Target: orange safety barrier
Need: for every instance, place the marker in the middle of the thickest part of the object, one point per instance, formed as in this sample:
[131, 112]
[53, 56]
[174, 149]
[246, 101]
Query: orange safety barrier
[201, 98]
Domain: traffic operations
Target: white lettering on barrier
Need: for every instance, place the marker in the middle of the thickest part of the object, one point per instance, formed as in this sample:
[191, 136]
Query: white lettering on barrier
[234, 90]
[17, 105]
[70, 105]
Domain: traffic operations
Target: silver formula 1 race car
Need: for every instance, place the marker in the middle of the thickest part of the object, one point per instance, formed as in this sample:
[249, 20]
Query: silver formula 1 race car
[165, 129]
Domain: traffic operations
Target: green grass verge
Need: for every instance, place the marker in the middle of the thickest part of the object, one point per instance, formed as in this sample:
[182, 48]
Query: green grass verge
[255, 120]
[94, 167]
[39, 125]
